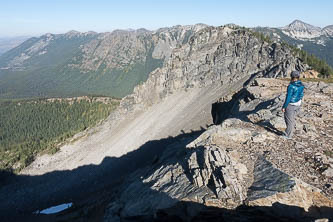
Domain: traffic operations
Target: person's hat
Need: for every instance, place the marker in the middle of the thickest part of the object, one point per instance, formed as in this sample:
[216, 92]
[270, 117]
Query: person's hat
[295, 74]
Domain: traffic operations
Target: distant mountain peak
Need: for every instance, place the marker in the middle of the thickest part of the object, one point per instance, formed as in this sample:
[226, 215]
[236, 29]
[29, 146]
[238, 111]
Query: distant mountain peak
[299, 25]
[91, 33]
[71, 32]
[301, 30]
[297, 21]
[328, 27]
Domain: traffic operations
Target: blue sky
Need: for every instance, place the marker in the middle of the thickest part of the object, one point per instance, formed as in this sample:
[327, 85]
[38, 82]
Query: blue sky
[35, 17]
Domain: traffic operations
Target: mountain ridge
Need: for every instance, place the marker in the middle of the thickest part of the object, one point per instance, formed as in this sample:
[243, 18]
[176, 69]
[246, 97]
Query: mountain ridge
[90, 63]
[74, 63]
[7, 43]
[314, 40]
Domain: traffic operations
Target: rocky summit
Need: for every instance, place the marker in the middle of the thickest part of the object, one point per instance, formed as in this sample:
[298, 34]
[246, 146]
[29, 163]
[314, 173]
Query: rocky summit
[241, 169]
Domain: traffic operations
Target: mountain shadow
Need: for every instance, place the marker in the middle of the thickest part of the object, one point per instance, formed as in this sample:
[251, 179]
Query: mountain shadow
[22, 194]
[222, 110]
[92, 187]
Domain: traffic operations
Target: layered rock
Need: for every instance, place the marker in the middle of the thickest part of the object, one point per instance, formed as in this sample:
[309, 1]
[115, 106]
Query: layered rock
[198, 173]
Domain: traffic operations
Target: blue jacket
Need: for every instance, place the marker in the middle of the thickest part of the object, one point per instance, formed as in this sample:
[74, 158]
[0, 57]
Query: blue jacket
[294, 93]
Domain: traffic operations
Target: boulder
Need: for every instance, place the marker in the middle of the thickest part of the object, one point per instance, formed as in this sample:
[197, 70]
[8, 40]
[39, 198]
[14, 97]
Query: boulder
[277, 122]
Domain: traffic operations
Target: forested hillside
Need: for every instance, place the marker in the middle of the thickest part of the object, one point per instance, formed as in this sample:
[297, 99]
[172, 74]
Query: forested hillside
[30, 127]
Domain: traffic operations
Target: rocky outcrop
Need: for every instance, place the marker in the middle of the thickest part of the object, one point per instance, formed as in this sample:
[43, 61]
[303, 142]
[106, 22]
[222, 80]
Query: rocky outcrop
[227, 166]
[310, 74]
[241, 169]
[167, 39]
[201, 173]
[216, 56]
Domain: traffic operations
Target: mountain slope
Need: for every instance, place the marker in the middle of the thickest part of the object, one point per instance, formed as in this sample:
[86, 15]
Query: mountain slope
[7, 43]
[75, 64]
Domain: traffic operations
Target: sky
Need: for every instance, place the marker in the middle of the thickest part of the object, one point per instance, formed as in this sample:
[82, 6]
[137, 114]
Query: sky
[36, 17]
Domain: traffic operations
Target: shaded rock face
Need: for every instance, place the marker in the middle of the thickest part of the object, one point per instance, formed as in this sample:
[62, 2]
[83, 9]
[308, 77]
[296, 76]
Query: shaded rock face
[188, 183]
[268, 181]
[199, 173]
[271, 185]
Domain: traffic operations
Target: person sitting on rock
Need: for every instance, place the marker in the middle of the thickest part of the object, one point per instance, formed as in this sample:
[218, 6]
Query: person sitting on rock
[292, 103]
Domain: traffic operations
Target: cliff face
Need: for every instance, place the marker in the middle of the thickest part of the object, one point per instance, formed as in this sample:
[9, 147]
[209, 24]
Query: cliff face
[220, 56]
